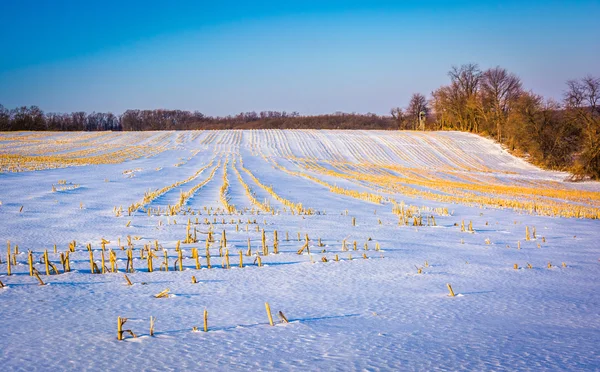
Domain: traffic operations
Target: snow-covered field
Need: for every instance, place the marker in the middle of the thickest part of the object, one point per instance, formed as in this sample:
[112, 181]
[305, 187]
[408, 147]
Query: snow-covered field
[383, 306]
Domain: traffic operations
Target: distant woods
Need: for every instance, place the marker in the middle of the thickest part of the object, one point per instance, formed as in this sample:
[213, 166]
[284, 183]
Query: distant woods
[33, 118]
[557, 135]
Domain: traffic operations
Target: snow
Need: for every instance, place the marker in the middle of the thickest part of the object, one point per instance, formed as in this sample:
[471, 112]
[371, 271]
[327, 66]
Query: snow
[356, 314]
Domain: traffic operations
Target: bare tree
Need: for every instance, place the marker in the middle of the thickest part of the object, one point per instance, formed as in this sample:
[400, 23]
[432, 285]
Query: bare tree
[457, 105]
[399, 116]
[581, 100]
[499, 90]
[466, 78]
[418, 104]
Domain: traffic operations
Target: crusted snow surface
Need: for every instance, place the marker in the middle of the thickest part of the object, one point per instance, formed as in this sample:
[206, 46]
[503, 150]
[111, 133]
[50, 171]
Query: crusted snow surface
[377, 313]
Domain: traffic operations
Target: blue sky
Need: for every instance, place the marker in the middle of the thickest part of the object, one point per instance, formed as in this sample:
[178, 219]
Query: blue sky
[307, 56]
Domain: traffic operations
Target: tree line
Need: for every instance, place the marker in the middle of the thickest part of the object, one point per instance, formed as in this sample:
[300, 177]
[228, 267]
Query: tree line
[561, 135]
[33, 119]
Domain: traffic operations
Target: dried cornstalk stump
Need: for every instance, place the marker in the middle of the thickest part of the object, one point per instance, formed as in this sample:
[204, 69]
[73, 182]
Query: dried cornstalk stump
[163, 294]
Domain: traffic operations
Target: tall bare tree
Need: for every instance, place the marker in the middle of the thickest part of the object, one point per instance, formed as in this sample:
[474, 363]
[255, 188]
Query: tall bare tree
[582, 100]
[499, 91]
[467, 78]
[457, 105]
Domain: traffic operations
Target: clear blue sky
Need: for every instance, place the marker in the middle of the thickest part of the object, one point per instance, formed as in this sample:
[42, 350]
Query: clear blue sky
[224, 57]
